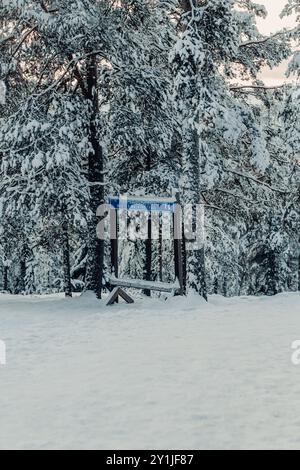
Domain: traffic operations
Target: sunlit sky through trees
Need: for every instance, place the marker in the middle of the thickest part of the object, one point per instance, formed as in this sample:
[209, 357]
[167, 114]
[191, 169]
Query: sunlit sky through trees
[270, 25]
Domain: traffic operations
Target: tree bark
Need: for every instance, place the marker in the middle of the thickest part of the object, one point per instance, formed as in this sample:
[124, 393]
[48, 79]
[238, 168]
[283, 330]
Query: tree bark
[95, 260]
[66, 261]
[190, 186]
[148, 255]
[190, 194]
[22, 274]
[5, 278]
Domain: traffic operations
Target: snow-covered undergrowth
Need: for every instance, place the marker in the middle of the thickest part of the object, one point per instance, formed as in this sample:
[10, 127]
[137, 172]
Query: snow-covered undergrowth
[176, 374]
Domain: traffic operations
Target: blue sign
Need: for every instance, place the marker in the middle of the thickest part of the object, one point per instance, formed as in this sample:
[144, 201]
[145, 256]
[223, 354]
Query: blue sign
[143, 203]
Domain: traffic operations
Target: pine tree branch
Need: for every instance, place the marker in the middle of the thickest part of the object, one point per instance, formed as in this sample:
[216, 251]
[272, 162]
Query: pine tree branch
[251, 178]
[238, 196]
[22, 41]
[217, 208]
[46, 10]
[256, 87]
[212, 206]
[70, 68]
[263, 40]
[79, 78]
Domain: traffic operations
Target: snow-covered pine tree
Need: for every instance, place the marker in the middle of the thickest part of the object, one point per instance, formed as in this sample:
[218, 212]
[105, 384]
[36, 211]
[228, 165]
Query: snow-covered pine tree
[72, 47]
[42, 176]
[219, 43]
[268, 235]
[140, 116]
[293, 8]
[97, 73]
[290, 135]
[63, 45]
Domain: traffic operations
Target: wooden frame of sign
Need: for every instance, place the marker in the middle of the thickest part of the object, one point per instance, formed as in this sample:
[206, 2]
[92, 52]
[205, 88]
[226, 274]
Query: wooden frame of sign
[150, 205]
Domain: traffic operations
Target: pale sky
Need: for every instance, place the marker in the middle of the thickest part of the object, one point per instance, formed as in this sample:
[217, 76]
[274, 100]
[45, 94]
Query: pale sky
[270, 25]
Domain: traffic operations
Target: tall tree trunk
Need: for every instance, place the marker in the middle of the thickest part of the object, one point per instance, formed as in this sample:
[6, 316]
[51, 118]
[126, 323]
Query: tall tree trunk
[5, 277]
[190, 187]
[190, 194]
[66, 261]
[95, 258]
[22, 274]
[23, 262]
[271, 284]
[148, 258]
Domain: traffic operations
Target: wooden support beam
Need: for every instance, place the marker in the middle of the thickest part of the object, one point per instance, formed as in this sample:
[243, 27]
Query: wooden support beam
[140, 284]
[114, 244]
[178, 258]
[159, 205]
[148, 273]
[114, 241]
[115, 293]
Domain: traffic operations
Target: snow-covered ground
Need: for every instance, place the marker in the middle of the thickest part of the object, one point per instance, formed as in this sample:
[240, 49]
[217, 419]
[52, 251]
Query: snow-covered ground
[153, 375]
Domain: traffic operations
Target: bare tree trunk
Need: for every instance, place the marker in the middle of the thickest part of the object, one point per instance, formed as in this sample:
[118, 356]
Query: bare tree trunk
[148, 258]
[95, 258]
[5, 277]
[22, 274]
[66, 261]
[190, 190]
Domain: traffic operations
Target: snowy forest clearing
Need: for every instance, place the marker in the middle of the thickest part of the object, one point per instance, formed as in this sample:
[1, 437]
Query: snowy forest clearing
[155, 374]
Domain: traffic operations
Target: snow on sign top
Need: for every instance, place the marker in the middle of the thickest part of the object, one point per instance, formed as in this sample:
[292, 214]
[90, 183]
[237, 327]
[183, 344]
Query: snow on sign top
[146, 203]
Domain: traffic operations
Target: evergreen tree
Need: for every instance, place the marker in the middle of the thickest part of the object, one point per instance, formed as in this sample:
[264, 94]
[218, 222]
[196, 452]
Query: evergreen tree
[214, 37]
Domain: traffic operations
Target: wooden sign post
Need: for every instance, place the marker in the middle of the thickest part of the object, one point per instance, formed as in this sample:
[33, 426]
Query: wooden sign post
[150, 205]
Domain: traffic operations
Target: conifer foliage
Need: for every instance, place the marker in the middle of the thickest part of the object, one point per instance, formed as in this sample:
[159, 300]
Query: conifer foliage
[147, 97]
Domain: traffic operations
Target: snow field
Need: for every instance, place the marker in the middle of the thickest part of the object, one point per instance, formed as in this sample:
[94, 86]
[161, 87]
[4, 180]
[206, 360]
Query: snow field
[153, 375]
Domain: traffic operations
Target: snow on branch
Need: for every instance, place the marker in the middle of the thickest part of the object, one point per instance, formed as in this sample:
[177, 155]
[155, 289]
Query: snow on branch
[46, 9]
[257, 42]
[255, 87]
[31, 30]
[251, 178]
